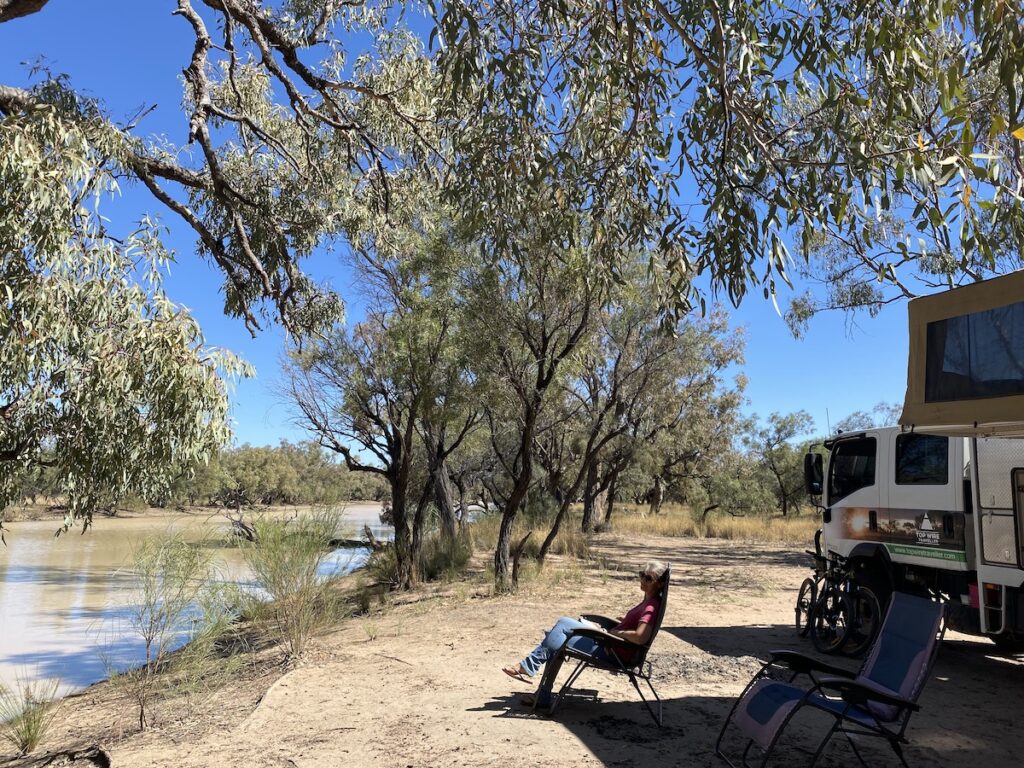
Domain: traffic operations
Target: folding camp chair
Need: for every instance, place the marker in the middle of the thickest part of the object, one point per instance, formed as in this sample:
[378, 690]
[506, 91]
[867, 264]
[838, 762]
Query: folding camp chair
[876, 701]
[617, 656]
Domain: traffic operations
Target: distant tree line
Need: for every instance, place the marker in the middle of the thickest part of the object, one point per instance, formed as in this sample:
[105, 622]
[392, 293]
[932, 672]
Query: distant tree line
[288, 474]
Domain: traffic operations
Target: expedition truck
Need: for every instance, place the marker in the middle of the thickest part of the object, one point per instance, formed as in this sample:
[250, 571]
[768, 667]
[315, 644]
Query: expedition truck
[915, 511]
[938, 502]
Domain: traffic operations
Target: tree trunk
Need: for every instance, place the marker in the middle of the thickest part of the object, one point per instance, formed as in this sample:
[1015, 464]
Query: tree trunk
[419, 518]
[462, 506]
[590, 492]
[445, 503]
[657, 496]
[553, 533]
[502, 580]
[442, 485]
[611, 498]
[400, 519]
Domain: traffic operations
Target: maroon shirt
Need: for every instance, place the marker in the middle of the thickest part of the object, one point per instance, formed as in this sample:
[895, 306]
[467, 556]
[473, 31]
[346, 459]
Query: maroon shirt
[641, 614]
[645, 613]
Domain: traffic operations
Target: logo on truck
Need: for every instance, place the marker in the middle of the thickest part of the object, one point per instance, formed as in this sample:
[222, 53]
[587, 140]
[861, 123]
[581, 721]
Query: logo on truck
[926, 534]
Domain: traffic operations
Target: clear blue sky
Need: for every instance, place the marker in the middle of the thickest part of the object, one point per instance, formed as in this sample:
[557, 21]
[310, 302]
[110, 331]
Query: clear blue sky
[130, 53]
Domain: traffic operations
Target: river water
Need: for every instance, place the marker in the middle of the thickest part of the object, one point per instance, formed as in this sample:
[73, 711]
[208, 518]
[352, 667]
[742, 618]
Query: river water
[64, 600]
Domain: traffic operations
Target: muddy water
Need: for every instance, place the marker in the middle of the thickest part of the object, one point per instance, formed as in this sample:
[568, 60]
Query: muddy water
[64, 601]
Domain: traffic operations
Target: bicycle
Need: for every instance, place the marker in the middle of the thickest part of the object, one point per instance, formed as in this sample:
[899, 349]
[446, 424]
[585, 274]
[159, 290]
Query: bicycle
[808, 594]
[846, 616]
[843, 615]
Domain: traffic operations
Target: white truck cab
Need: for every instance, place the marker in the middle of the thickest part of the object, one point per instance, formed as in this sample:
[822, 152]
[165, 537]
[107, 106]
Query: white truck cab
[917, 511]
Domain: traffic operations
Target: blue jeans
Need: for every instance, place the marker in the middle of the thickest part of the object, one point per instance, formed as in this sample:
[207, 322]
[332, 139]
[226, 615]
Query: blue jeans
[550, 652]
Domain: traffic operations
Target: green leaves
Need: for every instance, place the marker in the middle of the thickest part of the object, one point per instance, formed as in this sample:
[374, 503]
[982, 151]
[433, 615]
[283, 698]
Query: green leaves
[893, 104]
[102, 378]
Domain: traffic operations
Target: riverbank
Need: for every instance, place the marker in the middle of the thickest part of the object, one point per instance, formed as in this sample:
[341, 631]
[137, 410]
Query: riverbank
[417, 682]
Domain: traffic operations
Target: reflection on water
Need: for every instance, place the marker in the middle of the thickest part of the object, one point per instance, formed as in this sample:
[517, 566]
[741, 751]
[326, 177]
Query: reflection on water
[65, 601]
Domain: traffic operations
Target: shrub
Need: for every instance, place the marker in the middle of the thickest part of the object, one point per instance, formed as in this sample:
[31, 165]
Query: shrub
[27, 713]
[175, 603]
[442, 559]
[285, 560]
[382, 567]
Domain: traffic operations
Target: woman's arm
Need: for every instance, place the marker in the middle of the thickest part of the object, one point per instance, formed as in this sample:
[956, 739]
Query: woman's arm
[638, 635]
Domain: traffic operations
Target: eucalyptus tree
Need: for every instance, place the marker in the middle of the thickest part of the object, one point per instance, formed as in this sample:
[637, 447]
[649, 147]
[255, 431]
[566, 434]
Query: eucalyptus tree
[627, 369]
[733, 133]
[772, 443]
[280, 128]
[720, 134]
[353, 393]
[103, 379]
[676, 398]
[525, 313]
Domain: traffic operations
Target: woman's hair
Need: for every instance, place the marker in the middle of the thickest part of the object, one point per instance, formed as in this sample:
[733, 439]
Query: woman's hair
[655, 569]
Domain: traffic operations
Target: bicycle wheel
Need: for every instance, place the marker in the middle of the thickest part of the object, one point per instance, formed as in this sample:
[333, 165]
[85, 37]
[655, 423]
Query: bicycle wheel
[804, 605]
[865, 618]
[830, 620]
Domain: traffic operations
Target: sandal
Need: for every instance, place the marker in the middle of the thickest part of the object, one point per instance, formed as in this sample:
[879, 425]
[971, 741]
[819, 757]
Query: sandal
[516, 674]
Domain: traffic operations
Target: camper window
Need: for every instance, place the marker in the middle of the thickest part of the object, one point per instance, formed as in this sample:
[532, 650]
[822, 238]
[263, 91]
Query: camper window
[851, 467]
[922, 459]
[976, 355]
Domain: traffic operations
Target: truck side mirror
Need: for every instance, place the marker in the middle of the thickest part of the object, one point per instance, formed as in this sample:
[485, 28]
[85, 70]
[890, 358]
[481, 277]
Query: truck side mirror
[813, 474]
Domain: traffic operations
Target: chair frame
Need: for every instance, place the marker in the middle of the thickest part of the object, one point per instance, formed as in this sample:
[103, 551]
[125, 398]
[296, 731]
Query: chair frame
[826, 679]
[636, 670]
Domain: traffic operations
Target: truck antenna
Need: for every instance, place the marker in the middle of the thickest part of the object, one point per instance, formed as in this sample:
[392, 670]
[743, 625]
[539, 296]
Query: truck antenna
[827, 422]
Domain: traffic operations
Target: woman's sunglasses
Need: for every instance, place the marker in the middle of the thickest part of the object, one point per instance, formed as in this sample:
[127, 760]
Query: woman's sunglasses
[646, 576]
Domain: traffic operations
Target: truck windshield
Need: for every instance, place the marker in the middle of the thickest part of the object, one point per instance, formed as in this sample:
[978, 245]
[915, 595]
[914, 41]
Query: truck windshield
[851, 467]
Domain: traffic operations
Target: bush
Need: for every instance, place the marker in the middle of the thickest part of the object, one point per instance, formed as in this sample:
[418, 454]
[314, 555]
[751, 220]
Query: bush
[27, 713]
[285, 560]
[382, 567]
[174, 603]
[441, 559]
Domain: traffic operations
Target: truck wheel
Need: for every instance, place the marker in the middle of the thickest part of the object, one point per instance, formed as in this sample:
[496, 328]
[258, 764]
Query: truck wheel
[830, 621]
[865, 621]
[1008, 643]
[805, 605]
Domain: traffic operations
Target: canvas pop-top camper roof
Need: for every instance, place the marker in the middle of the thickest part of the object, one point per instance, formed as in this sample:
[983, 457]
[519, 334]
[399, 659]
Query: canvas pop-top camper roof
[965, 370]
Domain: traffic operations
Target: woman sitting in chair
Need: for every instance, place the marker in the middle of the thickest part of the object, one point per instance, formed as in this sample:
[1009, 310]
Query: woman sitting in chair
[634, 627]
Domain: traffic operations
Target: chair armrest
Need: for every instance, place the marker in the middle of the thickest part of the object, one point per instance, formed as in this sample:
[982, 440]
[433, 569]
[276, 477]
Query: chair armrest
[605, 638]
[602, 621]
[802, 664]
[855, 693]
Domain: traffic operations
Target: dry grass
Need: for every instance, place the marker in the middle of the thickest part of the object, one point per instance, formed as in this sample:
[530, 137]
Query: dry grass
[674, 520]
[570, 540]
[678, 520]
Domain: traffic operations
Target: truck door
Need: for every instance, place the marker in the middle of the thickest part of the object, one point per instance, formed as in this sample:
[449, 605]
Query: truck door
[924, 511]
[853, 492]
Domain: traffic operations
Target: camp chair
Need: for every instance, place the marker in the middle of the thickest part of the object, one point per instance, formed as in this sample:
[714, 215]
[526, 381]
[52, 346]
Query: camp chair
[620, 657]
[876, 701]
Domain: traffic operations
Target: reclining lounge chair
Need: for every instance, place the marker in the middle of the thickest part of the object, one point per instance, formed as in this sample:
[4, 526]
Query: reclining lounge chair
[618, 656]
[876, 701]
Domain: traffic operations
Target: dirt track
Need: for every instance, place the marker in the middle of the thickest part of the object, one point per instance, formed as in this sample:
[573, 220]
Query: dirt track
[421, 684]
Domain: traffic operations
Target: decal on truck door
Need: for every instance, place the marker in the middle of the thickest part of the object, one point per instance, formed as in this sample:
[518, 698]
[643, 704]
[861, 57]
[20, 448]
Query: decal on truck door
[920, 529]
[935, 554]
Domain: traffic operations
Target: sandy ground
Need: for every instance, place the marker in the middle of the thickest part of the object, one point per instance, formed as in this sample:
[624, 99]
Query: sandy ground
[420, 684]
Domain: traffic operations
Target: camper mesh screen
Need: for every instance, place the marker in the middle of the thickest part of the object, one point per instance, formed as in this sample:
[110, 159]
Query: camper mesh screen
[997, 458]
[999, 539]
